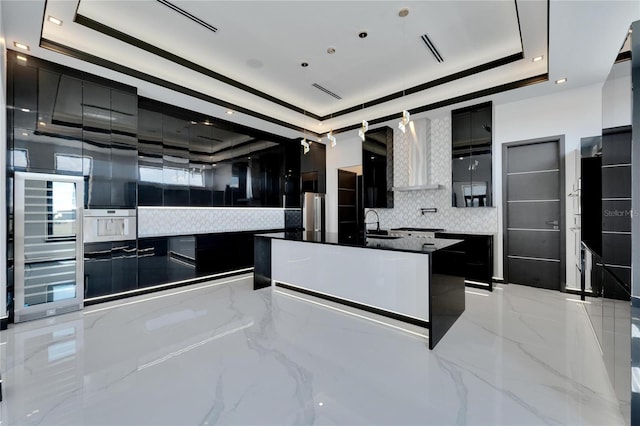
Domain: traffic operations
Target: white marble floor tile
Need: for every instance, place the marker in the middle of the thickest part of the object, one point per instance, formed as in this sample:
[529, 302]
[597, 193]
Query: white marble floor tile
[221, 353]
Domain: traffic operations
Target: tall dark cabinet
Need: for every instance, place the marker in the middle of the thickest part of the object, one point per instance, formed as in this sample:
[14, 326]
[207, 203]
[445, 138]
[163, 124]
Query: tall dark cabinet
[616, 203]
[471, 156]
[377, 168]
[313, 169]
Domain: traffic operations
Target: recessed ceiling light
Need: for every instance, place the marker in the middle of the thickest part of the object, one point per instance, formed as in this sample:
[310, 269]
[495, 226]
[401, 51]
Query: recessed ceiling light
[229, 112]
[21, 58]
[363, 34]
[537, 58]
[21, 46]
[319, 124]
[25, 134]
[560, 81]
[331, 50]
[403, 12]
[54, 20]
[304, 64]
[43, 124]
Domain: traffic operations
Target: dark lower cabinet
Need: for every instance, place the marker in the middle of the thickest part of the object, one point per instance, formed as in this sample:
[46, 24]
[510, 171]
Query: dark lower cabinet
[152, 261]
[224, 252]
[110, 267]
[478, 259]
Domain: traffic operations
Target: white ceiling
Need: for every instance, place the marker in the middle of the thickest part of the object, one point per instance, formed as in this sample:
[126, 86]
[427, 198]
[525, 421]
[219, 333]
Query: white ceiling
[262, 43]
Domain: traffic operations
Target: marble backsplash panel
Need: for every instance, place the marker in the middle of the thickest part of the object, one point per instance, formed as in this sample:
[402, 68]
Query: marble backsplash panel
[163, 221]
[407, 204]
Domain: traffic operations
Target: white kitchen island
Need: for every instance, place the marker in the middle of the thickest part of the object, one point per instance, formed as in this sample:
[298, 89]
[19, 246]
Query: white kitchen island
[392, 277]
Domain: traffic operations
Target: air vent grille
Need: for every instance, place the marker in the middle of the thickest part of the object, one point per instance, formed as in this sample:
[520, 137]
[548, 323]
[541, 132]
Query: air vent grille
[432, 47]
[188, 15]
[325, 90]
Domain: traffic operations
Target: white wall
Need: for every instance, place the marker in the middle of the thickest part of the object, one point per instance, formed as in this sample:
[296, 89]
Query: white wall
[572, 113]
[3, 160]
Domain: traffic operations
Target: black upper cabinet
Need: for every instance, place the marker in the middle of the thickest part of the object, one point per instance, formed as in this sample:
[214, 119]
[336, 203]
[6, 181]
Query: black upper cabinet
[377, 168]
[471, 163]
[175, 154]
[313, 167]
[55, 145]
[292, 175]
[150, 186]
[25, 98]
[461, 129]
[124, 149]
[200, 168]
[96, 125]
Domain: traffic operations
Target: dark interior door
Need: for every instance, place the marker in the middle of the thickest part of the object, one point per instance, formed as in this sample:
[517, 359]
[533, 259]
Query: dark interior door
[534, 219]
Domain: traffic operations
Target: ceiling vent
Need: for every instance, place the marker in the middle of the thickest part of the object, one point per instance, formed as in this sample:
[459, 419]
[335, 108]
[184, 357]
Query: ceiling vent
[432, 47]
[188, 15]
[325, 90]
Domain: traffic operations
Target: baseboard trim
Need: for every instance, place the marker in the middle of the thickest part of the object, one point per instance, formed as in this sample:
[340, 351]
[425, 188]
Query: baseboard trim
[377, 311]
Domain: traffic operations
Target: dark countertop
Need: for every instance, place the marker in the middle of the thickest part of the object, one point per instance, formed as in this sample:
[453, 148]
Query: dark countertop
[405, 244]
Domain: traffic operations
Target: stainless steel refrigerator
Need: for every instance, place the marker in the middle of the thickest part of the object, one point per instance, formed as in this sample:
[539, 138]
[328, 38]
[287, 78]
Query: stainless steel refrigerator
[313, 212]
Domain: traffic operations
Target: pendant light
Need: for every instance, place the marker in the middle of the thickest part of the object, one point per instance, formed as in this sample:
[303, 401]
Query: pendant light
[363, 129]
[332, 139]
[404, 121]
[406, 116]
[305, 144]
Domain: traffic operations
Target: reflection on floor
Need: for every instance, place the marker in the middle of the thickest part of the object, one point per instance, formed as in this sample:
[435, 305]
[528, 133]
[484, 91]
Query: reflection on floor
[220, 353]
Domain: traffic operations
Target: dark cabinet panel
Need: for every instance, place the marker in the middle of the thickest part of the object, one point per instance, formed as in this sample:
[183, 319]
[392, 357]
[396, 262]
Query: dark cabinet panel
[124, 149]
[110, 267]
[96, 124]
[152, 261]
[60, 107]
[224, 252]
[616, 182]
[124, 266]
[175, 165]
[292, 188]
[181, 258]
[377, 168]
[616, 148]
[478, 258]
[461, 129]
[481, 127]
[150, 163]
[97, 269]
[313, 168]
[25, 96]
[616, 215]
[56, 143]
[472, 161]
[201, 171]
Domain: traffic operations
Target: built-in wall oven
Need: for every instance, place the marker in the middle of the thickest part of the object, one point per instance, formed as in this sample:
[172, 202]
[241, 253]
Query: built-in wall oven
[110, 252]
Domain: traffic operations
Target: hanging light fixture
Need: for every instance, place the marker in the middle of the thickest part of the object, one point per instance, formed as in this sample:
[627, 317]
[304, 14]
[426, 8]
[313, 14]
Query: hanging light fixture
[363, 129]
[332, 139]
[406, 117]
[305, 144]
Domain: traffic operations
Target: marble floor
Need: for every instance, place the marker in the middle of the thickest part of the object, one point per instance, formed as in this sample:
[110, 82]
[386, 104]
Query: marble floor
[220, 353]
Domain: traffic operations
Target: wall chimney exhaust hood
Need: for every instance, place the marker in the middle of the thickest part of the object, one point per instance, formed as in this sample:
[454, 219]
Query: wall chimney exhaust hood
[418, 143]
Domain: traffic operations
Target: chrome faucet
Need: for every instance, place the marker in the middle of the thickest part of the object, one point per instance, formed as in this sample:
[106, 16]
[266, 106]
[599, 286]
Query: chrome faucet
[367, 223]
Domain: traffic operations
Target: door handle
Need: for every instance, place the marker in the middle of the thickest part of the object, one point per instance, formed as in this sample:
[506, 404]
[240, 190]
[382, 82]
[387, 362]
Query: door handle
[552, 222]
